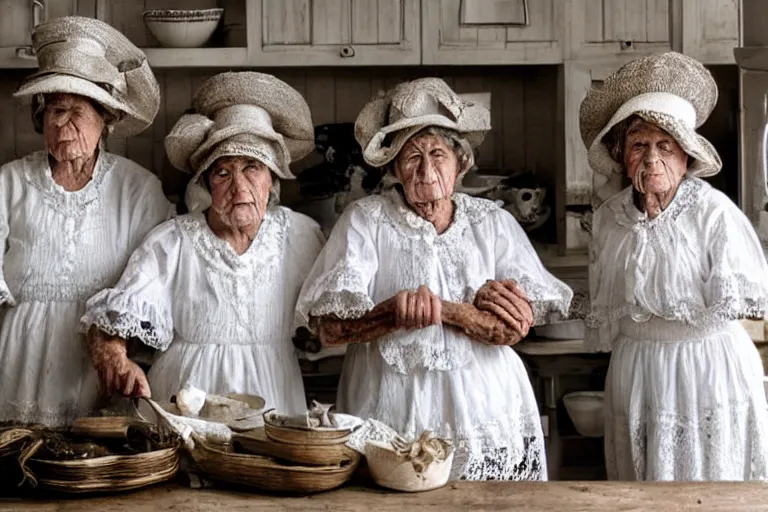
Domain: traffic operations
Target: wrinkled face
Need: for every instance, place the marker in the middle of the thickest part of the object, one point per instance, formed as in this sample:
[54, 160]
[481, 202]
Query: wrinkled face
[427, 167]
[72, 127]
[655, 162]
[239, 190]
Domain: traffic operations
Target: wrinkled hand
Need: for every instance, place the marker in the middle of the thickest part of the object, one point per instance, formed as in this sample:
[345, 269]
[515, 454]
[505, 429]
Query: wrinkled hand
[117, 373]
[506, 300]
[417, 309]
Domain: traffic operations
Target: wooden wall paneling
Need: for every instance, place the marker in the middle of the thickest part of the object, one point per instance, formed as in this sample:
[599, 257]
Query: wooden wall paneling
[539, 113]
[321, 95]
[87, 8]
[474, 82]
[450, 30]
[58, 8]
[389, 21]
[353, 91]
[541, 26]
[365, 29]
[178, 98]
[491, 37]
[8, 116]
[711, 29]
[331, 22]
[591, 16]
[657, 24]
[159, 130]
[513, 123]
[576, 179]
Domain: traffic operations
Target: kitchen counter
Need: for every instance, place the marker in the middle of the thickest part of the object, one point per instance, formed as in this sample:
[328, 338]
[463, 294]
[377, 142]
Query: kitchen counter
[543, 496]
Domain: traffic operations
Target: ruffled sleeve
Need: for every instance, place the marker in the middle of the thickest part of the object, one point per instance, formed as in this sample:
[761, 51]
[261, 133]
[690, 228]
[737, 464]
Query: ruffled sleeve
[737, 285]
[516, 259]
[339, 282]
[140, 305]
[6, 298]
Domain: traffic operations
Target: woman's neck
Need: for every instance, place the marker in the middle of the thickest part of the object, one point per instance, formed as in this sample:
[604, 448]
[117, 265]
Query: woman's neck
[654, 204]
[73, 175]
[439, 213]
[238, 237]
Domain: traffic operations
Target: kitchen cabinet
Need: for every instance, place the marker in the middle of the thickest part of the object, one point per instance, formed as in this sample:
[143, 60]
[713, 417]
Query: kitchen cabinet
[446, 40]
[711, 29]
[20, 16]
[333, 32]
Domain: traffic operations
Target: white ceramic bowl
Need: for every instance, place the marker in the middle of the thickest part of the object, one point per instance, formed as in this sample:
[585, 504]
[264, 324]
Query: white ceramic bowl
[391, 472]
[585, 408]
[182, 28]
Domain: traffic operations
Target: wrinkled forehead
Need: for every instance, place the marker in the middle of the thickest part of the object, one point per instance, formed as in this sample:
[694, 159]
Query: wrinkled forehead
[236, 162]
[425, 142]
[639, 127]
[61, 99]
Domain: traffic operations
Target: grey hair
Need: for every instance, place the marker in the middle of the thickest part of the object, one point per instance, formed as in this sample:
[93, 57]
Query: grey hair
[453, 139]
[109, 117]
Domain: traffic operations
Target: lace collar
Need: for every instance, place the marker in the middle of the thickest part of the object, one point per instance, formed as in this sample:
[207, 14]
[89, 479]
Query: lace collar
[266, 247]
[467, 212]
[688, 194]
[37, 172]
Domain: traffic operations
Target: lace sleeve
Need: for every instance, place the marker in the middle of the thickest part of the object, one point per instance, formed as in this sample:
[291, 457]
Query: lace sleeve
[516, 259]
[339, 280]
[6, 298]
[139, 306]
[737, 285]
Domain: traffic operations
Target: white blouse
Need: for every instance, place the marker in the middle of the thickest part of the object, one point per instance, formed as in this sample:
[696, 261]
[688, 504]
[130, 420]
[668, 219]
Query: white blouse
[223, 321]
[697, 262]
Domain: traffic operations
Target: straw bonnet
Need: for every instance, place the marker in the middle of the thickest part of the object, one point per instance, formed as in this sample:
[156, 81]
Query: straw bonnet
[387, 122]
[242, 114]
[671, 90]
[88, 57]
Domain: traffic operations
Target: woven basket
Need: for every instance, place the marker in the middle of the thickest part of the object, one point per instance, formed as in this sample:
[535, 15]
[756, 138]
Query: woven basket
[302, 435]
[257, 443]
[111, 473]
[267, 474]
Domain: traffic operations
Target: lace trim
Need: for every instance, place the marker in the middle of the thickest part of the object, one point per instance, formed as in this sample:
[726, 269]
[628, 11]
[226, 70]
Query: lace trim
[30, 413]
[712, 444]
[220, 256]
[739, 297]
[547, 310]
[343, 295]
[688, 194]
[502, 464]
[38, 173]
[117, 314]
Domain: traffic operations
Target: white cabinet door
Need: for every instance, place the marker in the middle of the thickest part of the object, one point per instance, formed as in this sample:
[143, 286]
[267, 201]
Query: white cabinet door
[446, 39]
[616, 31]
[711, 30]
[17, 20]
[333, 32]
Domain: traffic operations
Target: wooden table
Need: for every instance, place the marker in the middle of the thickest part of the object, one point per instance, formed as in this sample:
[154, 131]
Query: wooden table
[537, 496]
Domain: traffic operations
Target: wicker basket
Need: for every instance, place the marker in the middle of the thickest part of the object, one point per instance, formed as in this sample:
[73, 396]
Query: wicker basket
[267, 474]
[257, 443]
[302, 435]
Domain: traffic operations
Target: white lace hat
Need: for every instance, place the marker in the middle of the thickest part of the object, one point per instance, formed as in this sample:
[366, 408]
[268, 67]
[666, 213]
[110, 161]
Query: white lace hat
[671, 90]
[242, 114]
[88, 57]
[386, 122]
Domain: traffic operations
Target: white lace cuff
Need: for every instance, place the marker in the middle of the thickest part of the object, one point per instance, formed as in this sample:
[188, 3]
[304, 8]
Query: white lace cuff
[550, 302]
[118, 314]
[345, 304]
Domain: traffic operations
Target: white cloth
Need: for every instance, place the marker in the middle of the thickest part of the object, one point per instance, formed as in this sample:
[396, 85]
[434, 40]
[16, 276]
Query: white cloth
[59, 248]
[684, 393]
[222, 321]
[436, 378]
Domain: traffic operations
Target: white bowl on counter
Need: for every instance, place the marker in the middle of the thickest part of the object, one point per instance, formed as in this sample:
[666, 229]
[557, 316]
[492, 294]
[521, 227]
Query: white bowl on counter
[393, 472]
[586, 410]
[175, 28]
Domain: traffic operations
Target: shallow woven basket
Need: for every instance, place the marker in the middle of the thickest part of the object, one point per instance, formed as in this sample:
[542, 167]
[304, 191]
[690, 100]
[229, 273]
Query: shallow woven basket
[257, 443]
[267, 474]
[303, 435]
[111, 473]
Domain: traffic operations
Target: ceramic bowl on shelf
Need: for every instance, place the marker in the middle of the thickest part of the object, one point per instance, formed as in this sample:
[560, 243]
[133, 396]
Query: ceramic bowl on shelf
[585, 408]
[182, 28]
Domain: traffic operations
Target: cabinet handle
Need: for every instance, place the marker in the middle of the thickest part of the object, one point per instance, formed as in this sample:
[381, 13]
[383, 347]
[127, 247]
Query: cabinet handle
[38, 12]
[26, 53]
[347, 52]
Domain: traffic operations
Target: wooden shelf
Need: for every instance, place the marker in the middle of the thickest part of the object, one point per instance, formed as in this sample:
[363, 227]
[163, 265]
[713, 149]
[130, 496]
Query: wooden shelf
[197, 57]
[9, 60]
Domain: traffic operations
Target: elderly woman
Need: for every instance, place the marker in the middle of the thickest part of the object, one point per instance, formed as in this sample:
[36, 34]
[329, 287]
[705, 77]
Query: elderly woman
[430, 288]
[71, 215]
[673, 265]
[215, 290]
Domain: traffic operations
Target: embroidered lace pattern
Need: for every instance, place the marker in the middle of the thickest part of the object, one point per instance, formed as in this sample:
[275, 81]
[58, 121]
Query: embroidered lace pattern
[30, 413]
[715, 444]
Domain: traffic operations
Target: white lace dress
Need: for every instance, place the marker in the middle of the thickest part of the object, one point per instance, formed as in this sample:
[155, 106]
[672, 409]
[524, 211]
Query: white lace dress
[684, 395]
[59, 248]
[222, 322]
[437, 378]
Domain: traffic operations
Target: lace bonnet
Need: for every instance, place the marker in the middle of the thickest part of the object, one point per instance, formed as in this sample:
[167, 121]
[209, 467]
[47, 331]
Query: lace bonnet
[241, 114]
[671, 90]
[387, 122]
[88, 57]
